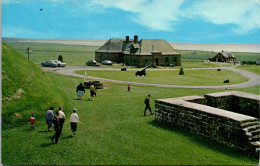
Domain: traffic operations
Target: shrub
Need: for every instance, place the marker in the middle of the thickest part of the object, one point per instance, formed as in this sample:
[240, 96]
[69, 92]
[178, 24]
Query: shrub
[60, 58]
[181, 71]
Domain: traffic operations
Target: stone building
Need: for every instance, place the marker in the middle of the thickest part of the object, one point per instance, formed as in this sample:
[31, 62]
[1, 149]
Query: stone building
[146, 52]
[223, 57]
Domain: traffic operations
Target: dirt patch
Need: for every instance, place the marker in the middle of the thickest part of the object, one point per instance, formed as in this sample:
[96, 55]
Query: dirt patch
[16, 96]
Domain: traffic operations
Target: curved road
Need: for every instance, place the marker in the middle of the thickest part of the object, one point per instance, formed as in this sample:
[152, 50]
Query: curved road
[254, 79]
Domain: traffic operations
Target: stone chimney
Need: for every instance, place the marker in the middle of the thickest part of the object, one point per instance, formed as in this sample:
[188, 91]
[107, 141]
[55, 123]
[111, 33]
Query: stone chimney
[127, 39]
[135, 39]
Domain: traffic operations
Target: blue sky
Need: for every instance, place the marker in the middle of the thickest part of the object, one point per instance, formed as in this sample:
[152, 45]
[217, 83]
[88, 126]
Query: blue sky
[189, 21]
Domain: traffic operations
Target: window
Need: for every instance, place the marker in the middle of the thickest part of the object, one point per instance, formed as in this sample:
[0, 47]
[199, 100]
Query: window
[166, 59]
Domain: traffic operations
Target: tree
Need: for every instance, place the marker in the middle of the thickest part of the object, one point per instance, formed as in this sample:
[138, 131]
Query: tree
[60, 58]
[181, 71]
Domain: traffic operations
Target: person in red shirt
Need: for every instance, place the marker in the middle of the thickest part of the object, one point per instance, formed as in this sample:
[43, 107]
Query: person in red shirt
[32, 120]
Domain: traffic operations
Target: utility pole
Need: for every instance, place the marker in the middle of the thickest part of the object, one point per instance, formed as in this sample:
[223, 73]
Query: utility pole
[28, 51]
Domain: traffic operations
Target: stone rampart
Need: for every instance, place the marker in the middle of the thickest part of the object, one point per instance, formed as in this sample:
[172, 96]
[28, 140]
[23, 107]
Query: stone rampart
[230, 128]
[239, 102]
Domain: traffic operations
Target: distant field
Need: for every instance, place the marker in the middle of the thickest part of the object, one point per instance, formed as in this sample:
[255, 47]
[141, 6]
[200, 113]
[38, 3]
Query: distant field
[171, 77]
[80, 54]
[251, 68]
[72, 54]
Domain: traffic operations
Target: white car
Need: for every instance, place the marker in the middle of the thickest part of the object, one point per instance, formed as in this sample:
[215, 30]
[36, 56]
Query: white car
[59, 63]
[106, 62]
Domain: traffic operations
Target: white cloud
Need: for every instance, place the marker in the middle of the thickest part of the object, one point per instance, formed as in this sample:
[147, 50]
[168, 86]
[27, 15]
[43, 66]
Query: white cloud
[163, 14]
[156, 14]
[244, 14]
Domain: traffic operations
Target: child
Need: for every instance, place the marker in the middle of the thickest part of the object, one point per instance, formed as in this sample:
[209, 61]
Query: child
[32, 120]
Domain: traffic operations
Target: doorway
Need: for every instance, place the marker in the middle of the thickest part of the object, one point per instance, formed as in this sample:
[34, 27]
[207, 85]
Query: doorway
[157, 61]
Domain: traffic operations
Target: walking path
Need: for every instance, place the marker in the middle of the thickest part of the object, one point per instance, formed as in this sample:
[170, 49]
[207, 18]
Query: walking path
[254, 79]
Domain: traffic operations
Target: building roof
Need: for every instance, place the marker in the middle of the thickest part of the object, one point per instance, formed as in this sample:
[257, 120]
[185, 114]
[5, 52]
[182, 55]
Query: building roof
[142, 47]
[227, 54]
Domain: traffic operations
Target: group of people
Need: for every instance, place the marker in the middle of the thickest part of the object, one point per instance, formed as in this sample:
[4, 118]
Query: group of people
[58, 120]
[81, 90]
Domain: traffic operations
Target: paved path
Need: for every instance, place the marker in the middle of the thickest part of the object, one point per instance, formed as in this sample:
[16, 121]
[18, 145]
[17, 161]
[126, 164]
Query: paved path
[254, 79]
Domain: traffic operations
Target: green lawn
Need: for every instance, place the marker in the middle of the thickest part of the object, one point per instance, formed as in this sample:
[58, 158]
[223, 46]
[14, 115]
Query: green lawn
[251, 68]
[113, 128]
[172, 77]
[114, 132]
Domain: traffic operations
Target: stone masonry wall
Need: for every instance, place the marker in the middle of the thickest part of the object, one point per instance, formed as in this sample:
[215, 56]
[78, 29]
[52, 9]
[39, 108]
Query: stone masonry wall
[239, 102]
[224, 126]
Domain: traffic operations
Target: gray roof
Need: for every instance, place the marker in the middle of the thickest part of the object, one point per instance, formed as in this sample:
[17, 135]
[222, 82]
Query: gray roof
[143, 47]
[227, 54]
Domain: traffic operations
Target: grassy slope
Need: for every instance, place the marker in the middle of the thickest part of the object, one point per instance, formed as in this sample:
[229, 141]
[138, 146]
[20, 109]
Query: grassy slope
[172, 77]
[39, 91]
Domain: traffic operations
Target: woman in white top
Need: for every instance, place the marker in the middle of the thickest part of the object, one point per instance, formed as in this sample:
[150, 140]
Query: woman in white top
[74, 119]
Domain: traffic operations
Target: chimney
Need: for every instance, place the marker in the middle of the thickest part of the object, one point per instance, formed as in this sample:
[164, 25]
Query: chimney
[135, 39]
[127, 39]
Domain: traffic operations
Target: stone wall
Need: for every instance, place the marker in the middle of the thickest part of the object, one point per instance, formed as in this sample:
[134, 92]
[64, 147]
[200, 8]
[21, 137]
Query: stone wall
[239, 102]
[114, 57]
[230, 128]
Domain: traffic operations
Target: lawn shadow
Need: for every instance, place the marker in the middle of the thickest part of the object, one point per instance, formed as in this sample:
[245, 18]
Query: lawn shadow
[201, 140]
[67, 137]
[44, 145]
[44, 131]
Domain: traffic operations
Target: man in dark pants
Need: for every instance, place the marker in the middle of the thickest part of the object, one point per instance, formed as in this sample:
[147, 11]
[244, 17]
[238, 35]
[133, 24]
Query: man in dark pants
[61, 118]
[147, 105]
[56, 128]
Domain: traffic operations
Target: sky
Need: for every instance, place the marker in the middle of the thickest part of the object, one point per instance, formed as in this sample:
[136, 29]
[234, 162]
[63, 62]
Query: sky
[186, 21]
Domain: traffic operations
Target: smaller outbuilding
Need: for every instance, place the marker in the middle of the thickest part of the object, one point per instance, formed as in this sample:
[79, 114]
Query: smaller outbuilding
[223, 57]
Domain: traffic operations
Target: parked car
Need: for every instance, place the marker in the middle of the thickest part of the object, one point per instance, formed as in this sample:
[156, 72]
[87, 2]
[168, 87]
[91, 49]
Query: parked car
[106, 62]
[59, 63]
[92, 63]
[48, 64]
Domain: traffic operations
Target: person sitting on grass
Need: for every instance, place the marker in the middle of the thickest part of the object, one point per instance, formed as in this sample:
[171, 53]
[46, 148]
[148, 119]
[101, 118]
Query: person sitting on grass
[32, 120]
[80, 91]
[74, 119]
[92, 92]
[56, 123]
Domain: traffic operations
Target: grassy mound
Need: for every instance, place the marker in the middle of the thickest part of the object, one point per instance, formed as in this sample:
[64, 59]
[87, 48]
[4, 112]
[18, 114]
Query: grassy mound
[25, 89]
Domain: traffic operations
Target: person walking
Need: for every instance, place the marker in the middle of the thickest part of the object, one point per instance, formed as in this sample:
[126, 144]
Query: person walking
[56, 123]
[80, 91]
[147, 105]
[74, 119]
[49, 118]
[61, 118]
[92, 92]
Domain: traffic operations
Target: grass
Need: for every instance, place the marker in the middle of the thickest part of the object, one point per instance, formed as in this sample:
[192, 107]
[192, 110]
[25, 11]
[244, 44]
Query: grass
[172, 77]
[41, 52]
[113, 130]
[39, 91]
[189, 55]
[251, 68]
[80, 54]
